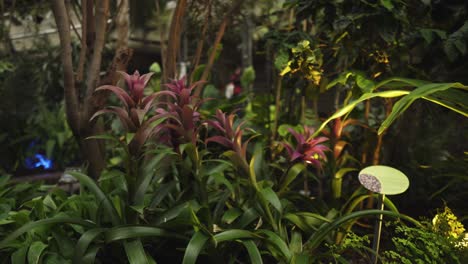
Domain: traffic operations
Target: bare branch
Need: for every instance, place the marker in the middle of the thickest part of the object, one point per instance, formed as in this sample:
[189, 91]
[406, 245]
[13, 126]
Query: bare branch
[71, 96]
[201, 41]
[174, 40]
[219, 36]
[84, 47]
[94, 68]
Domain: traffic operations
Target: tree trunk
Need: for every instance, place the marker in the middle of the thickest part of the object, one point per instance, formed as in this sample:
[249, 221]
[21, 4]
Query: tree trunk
[79, 111]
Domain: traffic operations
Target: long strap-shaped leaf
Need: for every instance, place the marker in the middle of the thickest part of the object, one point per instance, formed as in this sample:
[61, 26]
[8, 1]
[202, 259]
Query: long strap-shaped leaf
[194, 247]
[83, 243]
[127, 232]
[100, 196]
[135, 252]
[317, 238]
[50, 221]
[421, 92]
[254, 253]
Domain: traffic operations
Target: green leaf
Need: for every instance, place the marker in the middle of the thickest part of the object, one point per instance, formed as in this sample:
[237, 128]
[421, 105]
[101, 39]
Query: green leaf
[278, 243]
[306, 221]
[35, 252]
[348, 108]
[49, 221]
[135, 252]
[293, 172]
[365, 84]
[247, 218]
[19, 256]
[234, 234]
[127, 232]
[231, 215]
[100, 196]
[317, 238]
[161, 193]
[387, 4]
[147, 175]
[254, 253]
[272, 198]
[419, 92]
[295, 245]
[83, 243]
[194, 247]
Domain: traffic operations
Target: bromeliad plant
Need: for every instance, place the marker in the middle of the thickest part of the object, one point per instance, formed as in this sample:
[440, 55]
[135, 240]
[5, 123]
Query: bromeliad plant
[177, 189]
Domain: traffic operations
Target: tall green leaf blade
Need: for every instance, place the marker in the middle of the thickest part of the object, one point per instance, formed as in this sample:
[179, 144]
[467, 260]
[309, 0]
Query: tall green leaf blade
[19, 256]
[293, 172]
[35, 252]
[349, 107]
[254, 253]
[135, 252]
[31, 225]
[234, 234]
[101, 197]
[127, 232]
[317, 238]
[278, 243]
[83, 243]
[148, 173]
[407, 100]
[272, 198]
[194, 247]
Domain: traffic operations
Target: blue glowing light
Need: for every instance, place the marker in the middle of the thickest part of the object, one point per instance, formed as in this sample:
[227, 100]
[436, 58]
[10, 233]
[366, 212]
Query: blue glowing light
[38, 161]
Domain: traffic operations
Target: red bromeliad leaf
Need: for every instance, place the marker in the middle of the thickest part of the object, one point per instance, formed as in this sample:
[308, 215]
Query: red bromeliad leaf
[121, 113]
[220, 140]
[121, 94]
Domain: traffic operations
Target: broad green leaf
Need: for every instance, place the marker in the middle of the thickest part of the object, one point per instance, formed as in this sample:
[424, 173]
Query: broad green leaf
[420, 92]
[254, 253]
[348, 108]
[35, 252]
[231, 215]
[247, 218]
[398, 83]
[100, 196]
[234, 234]
[365, 84]
[49, 221]
[306, 221]
[194, 247]
[272, 198]
[90, 257]
[453, 99]
[147, 175]
[277, 242]
[83, 243]
[318, 237]
[162, 191]
[293, 172]
[295, 245]
[135, 252]
[128, 232]
[19, 256]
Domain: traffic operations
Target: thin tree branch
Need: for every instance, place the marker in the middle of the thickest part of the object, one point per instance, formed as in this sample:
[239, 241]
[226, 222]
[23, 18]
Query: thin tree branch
[219, 36]
[84, 47]
[94, 68]
[174, 40]
[201, 41]
[72, 106]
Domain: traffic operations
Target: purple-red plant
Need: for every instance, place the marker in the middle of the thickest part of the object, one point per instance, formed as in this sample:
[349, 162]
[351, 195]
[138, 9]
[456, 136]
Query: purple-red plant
[133, 114]
[184, 119]
[307, 148]
[136, 105]
[232, 134]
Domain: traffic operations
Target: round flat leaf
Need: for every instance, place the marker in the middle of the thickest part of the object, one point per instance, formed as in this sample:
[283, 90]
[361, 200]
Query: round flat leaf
[383, 180]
